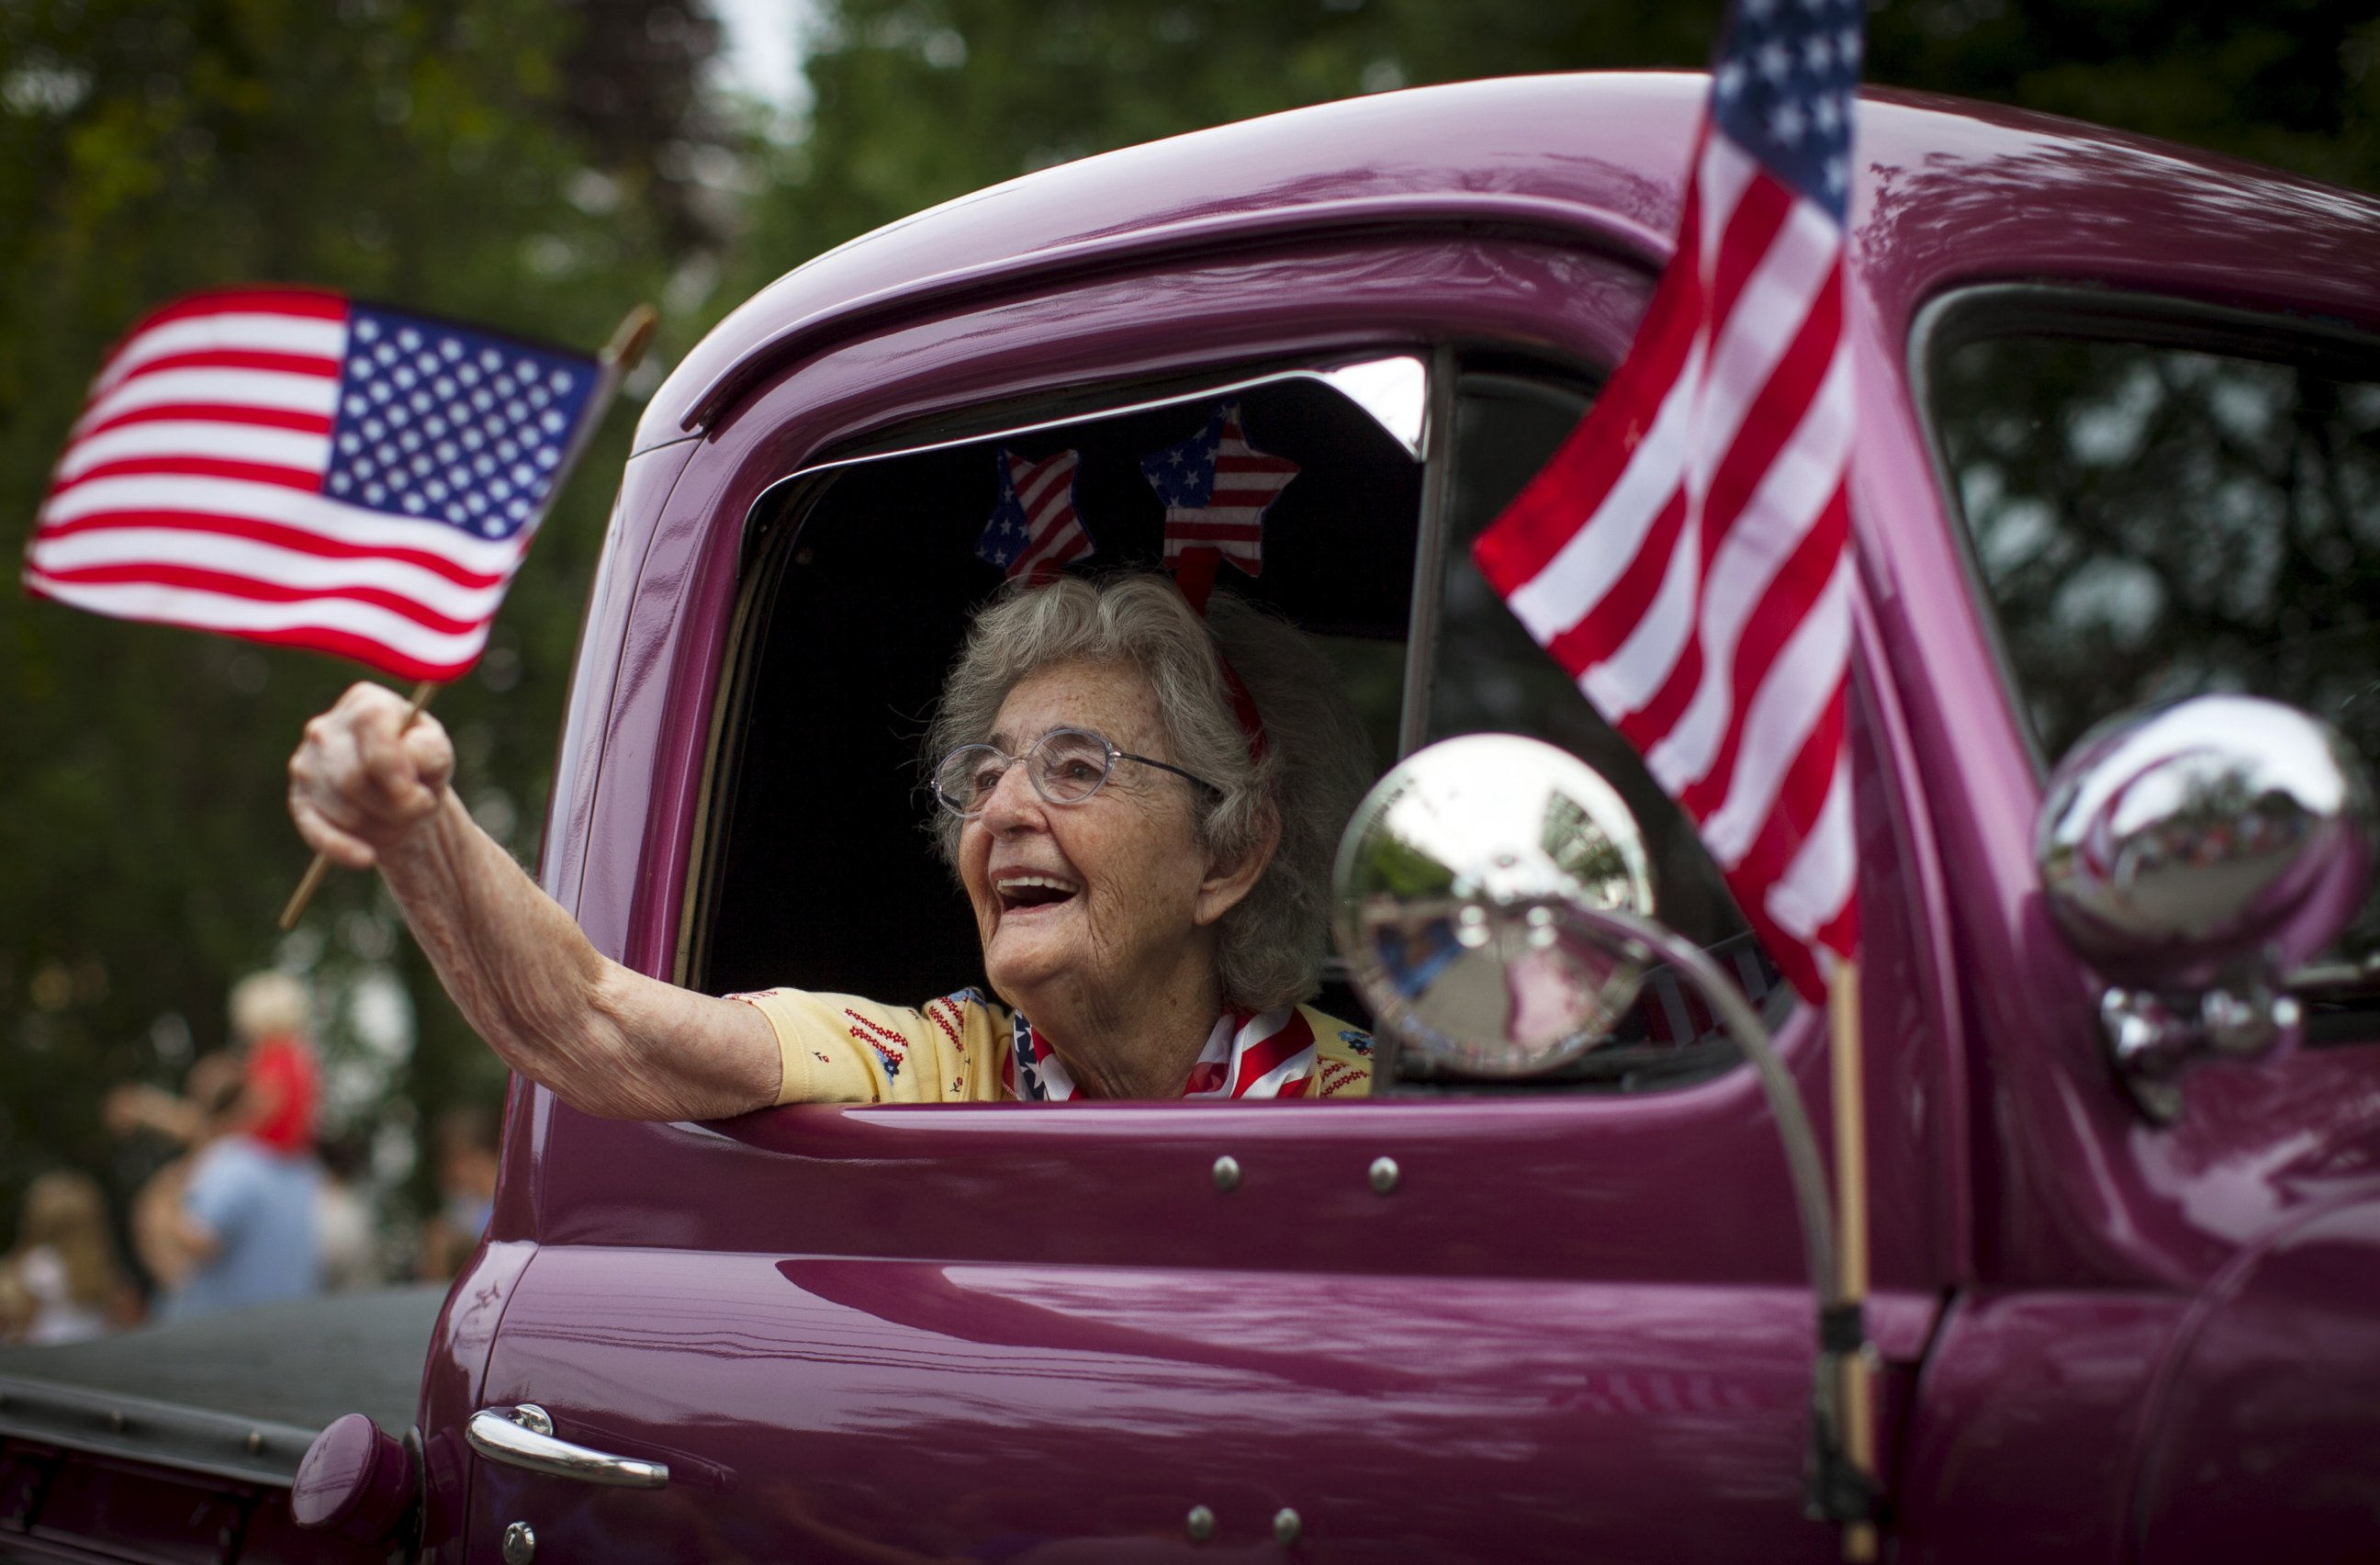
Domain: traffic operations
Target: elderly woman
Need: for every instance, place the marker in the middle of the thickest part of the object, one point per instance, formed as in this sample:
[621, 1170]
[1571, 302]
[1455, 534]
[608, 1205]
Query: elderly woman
[1140, 803]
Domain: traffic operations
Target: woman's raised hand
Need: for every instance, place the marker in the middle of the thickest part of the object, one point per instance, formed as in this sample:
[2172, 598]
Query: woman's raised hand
[364, 778]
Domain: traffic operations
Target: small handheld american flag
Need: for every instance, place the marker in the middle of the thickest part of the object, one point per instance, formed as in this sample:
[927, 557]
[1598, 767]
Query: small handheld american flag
[1686, 555]
[290, 466]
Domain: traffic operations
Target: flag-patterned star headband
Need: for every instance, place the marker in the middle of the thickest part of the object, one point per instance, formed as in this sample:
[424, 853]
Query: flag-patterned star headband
[1217, 488]
[1035, 529]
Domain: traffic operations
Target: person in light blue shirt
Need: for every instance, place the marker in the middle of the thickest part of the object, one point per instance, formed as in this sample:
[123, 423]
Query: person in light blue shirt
[246, 1225]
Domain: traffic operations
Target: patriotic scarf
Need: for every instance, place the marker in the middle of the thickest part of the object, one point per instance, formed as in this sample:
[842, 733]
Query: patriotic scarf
[1269, 1055]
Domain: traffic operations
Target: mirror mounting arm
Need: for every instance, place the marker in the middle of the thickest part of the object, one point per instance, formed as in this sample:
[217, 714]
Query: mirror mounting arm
[1837, 1489]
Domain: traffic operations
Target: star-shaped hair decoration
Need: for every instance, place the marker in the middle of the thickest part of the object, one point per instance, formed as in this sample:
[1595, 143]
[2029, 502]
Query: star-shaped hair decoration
[1034, 531]
[1216, 488]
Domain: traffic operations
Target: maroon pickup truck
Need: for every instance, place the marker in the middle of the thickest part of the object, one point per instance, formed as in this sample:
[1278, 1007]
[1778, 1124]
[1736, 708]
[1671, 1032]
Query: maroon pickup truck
[2117, 498]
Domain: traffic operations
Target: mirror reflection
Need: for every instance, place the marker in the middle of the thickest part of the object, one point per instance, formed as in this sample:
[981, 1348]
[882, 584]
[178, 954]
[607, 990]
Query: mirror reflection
[1452, 884]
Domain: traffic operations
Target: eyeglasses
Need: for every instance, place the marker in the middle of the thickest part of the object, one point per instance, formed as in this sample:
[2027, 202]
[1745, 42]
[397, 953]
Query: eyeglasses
[1067, 765]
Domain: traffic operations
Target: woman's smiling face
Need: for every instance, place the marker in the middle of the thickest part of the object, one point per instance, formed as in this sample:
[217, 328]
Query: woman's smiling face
[1088, 909]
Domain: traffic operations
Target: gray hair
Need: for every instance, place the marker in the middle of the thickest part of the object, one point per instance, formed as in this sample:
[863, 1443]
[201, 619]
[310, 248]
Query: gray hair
[1315, 763]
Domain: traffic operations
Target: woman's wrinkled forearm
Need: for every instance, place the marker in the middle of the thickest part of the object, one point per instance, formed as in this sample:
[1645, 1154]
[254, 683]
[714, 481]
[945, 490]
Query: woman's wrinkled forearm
[606, 1040]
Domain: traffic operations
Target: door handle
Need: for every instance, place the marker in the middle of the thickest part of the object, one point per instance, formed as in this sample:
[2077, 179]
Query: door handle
[523, 1437]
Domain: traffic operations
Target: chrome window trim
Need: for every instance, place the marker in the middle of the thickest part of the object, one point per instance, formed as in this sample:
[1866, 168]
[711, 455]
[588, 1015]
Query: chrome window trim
[1429, 557]
[1337, 373]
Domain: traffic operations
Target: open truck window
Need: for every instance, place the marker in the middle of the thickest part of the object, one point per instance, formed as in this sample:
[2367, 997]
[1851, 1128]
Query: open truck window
[860, 572]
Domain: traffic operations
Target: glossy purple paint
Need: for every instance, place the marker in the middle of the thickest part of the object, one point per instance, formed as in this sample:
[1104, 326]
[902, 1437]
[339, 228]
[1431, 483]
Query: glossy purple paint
[1577, 1327]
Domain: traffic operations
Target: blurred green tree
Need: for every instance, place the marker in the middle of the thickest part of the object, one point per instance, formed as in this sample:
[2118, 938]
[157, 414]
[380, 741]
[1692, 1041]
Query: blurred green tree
[503, 161]
[916, 101]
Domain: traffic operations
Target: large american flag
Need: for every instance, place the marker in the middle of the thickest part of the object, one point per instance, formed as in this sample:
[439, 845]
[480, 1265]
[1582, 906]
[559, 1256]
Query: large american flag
[287, 465]
[1216, 488]
[1034, 530]
[1686, 554]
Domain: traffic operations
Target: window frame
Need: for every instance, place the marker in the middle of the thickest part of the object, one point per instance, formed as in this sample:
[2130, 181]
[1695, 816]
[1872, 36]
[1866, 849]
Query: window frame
[772, 523]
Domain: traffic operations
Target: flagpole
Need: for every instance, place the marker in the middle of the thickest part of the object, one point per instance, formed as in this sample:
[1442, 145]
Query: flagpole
[1855, 1391]
[620, 355]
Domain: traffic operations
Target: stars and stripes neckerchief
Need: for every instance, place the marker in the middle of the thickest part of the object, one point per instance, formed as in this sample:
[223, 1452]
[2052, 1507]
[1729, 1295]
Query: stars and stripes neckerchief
[1273, 1055]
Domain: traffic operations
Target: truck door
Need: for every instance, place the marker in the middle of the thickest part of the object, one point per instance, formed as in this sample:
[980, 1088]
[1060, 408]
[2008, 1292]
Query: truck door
[1454, 1321]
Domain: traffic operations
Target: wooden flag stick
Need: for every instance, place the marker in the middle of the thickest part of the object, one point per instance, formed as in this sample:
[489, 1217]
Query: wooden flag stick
[1855, 1393]
[620, 355]
[321, 865]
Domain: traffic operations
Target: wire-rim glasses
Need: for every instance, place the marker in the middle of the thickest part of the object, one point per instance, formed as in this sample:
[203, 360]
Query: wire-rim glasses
[1066, 765]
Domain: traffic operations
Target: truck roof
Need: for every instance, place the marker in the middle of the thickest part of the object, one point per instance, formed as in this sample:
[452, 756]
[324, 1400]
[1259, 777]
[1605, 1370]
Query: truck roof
[1947, 190]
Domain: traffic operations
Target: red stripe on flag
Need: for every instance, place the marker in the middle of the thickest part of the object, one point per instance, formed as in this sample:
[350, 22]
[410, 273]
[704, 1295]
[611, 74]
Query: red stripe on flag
[160, 573]
[310, 364]
[312, 304]
[1644, 727]
[342, 644]
[1775, 413]
[216, 412]
[1782, 607]
[1760, 213]
[1610, 622]
[274, 533]
[192, 467]
[1803, 791]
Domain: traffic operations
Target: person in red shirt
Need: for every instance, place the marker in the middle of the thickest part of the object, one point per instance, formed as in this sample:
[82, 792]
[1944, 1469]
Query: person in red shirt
[279, 1084]
[282, 1087]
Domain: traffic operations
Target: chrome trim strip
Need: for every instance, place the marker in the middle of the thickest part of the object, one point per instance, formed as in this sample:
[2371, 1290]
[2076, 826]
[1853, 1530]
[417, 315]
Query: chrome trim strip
[1429, 557]
[1412, 440]
[185, 1439]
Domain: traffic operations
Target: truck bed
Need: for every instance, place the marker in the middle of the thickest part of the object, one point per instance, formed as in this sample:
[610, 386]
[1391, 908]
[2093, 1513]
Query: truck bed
[233, 1396]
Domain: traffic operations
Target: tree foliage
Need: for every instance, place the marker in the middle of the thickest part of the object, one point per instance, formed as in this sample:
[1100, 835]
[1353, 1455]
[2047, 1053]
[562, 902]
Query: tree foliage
[464, 157]
[923, 99]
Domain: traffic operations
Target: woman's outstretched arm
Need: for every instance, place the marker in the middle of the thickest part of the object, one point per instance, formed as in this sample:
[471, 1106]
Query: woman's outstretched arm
[369, 792]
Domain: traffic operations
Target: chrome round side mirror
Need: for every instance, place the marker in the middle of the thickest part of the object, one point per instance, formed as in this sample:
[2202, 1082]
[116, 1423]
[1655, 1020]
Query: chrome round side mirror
[1452, 883]
[2177, 845]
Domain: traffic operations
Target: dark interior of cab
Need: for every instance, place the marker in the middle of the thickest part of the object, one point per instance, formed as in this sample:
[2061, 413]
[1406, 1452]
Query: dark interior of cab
[859, 578]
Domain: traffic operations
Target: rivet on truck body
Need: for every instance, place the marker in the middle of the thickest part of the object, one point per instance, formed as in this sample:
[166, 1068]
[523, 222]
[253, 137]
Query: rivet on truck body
[1384, 1175]
[1286, 1525]
[1199, 1524]
[520, 1543]
[1227, 1172]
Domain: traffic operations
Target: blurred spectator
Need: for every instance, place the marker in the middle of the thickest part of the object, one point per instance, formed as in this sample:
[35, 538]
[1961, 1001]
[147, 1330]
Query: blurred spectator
[62, 1282]
[243, 1229]
[279, 1084]
[345, 1232]
[157, 1206]
[464, 1141]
